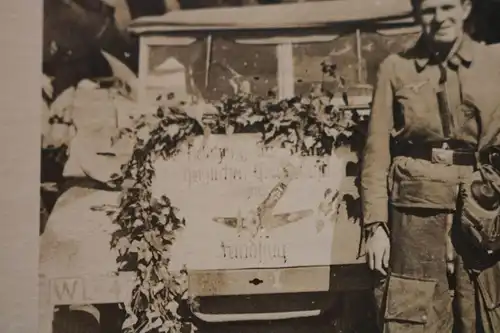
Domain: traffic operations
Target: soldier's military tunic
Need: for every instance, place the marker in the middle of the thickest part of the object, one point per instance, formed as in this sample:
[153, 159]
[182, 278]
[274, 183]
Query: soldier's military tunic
[417, 195]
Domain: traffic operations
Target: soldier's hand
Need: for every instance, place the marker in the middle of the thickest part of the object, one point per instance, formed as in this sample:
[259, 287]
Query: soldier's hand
[378, 250]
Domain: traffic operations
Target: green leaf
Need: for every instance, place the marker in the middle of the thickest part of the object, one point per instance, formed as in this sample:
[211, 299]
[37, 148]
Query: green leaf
[162, 273]
[156, 323]
[145, 255]
[129, 322]
[152, 314]
[123, 245]
[150, 326]
[172, 307]
[309, 142]
[136, 246]
[331, 132]
[154, 238]
[167, 326]
[138, 223]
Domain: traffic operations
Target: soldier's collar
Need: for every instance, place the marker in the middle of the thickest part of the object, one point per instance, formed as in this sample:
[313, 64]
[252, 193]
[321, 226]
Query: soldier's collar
[461, 56]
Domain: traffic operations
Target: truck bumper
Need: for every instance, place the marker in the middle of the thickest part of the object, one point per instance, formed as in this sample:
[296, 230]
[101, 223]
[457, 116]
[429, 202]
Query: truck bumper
[272, 294]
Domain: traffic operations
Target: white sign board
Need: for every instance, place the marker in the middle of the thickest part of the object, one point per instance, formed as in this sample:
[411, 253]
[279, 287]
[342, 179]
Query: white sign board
[249, 207]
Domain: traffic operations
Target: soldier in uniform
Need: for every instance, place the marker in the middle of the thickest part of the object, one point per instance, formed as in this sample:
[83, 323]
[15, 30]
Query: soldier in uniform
[436, 105]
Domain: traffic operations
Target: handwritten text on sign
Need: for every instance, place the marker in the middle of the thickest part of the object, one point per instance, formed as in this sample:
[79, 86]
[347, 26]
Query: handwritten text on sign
[262, 251]
[227, 171]
[239, 159]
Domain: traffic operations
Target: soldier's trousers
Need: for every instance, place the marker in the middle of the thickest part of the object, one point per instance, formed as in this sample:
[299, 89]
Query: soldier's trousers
[419, 296]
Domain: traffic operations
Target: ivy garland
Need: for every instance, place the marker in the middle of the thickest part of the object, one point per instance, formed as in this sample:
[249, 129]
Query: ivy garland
[310, 125]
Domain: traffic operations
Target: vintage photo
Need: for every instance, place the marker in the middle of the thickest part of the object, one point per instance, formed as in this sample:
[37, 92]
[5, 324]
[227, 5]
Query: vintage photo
[270, 166]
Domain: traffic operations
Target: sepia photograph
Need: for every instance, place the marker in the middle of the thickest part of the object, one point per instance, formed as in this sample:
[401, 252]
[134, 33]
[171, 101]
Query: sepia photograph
[274, 166]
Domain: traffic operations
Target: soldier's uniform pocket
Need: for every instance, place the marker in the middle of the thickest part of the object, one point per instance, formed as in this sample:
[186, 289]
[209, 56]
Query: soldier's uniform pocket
[421, 184]
[408, 303]
[415, 111]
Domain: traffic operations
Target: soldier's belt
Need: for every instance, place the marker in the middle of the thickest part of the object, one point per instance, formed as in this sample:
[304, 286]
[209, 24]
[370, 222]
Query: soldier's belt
[440, 155]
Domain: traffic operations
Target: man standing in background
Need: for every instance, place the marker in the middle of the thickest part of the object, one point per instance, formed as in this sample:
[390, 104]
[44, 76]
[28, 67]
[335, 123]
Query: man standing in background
[435, 106]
